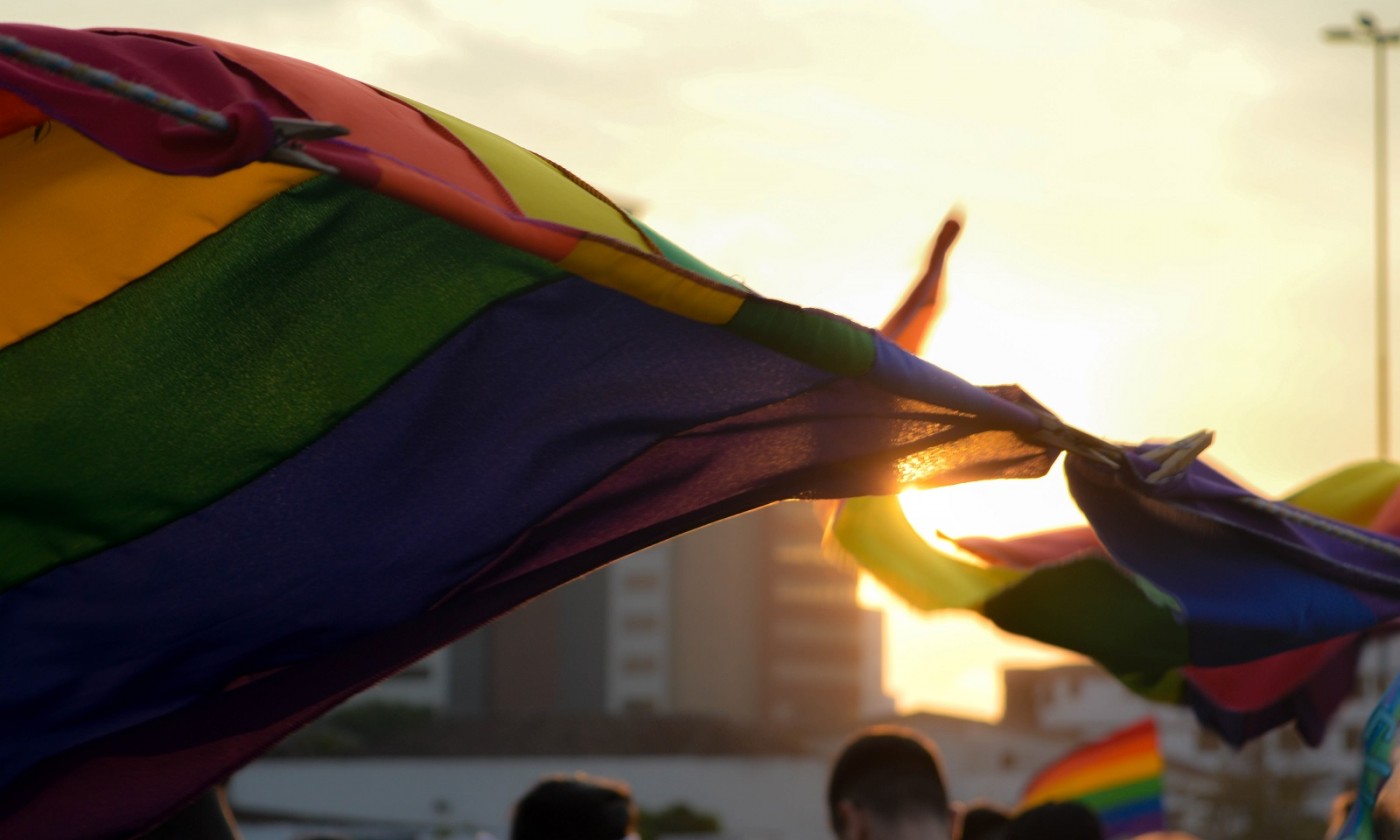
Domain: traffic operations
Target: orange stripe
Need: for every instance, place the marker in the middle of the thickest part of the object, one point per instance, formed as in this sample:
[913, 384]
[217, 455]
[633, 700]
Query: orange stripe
[653, 281]
[1121, 772]
[78, 223]
[1098, 754]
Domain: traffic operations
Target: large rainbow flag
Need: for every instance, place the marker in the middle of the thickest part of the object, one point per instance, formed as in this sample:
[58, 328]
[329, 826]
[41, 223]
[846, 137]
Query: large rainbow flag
[309, 379]
[285, 411]
[1119, 777]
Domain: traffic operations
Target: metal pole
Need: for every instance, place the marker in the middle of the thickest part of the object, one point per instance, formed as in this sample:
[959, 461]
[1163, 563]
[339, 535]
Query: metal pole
[1382, 268]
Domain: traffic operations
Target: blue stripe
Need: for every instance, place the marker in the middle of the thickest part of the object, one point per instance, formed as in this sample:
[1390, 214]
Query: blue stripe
[1244, 593]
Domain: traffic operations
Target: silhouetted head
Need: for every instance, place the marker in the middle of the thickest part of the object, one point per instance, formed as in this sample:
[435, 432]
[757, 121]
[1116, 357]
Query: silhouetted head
[1056, 821]
[887, 782]
[983, 821]
[576, 807]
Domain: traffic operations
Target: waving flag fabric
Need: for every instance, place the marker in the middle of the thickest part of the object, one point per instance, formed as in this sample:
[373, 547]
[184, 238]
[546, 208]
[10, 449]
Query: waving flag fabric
[1118, 776]
[1065, 589]
[285, 411]
[1207, 543]
[272, 433]
[1062, 588]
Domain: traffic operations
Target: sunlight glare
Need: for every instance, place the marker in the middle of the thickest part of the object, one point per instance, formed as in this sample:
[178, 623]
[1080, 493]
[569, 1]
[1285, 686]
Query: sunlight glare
[992, 508]
[952, 661]
[949, 661]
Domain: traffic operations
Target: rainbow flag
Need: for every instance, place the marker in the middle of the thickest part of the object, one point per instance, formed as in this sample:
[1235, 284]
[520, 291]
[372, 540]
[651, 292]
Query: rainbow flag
[273, 430]
[1119, 777]
[1063, 587]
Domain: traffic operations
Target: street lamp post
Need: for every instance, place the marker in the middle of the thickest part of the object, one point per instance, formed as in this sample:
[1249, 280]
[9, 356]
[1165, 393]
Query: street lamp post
[1367, 31]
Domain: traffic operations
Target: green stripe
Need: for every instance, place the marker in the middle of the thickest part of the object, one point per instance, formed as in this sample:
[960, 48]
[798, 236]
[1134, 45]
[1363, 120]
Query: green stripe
[821, 340]
[1090, 606]
[684, 258]
[1106, 800]
[226, 360]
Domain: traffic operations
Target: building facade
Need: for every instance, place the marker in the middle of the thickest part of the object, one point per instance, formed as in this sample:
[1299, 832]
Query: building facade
[747, 621]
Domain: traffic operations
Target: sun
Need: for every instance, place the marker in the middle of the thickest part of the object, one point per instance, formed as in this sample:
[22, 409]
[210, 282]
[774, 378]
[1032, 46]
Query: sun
[951, 661]
[1003, 508]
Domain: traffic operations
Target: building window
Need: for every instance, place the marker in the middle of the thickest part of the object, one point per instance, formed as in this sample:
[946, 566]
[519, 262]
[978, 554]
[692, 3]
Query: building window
[806, 631]
[639, 665]
[815, 592]
[639, 706]
[806, 554]
[815, 672]
[639, 623]
[640, 582]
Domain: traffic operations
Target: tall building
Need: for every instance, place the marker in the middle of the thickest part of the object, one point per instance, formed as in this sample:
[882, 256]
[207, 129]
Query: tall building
[746, 620]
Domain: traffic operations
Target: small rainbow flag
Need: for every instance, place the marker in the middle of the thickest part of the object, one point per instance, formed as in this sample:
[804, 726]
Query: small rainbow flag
[1119, 777]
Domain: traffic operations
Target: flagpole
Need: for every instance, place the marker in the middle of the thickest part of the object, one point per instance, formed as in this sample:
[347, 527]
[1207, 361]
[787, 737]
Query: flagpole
[1366, 31]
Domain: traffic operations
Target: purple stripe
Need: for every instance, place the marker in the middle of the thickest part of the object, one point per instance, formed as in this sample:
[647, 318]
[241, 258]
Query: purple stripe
[1133, 818]
[1134, 826]
[1247, 591]
[901, 372]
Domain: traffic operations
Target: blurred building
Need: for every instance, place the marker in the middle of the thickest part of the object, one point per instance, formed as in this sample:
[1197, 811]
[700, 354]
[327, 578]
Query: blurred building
[746, 620]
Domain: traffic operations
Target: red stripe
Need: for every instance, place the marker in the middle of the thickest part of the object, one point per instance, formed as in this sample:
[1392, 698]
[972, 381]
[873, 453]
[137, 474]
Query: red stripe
[15, 113]
[1135, 741]
[396, 150]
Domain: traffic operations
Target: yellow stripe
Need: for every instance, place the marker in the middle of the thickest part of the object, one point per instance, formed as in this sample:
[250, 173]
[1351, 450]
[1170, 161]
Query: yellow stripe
[77, 222]
[633, 274]
[1354, 494]
[1117, 773]
[539, 189]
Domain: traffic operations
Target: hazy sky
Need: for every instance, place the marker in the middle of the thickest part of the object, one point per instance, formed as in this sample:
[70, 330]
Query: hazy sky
[1169, 203]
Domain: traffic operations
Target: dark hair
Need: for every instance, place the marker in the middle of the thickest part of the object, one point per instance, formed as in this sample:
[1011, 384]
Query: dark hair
[577, 807]
[1384, 825]
[983, 821]
[1056, 821]
[890, 771]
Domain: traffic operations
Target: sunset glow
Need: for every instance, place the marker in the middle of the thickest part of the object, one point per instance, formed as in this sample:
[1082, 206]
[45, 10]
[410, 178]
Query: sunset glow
[951, 661]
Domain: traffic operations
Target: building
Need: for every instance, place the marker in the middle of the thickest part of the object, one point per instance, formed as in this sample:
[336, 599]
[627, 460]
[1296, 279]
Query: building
[1210, 789]
[747, 620]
